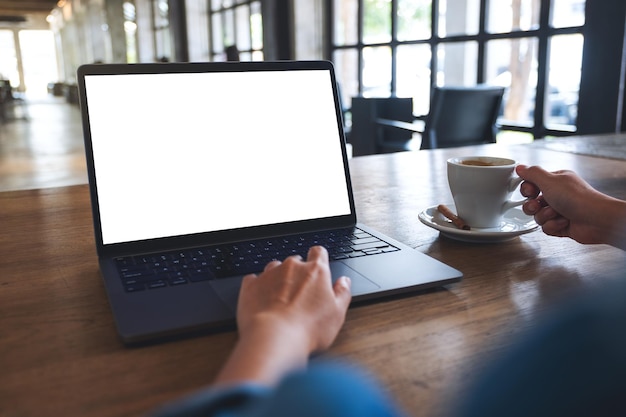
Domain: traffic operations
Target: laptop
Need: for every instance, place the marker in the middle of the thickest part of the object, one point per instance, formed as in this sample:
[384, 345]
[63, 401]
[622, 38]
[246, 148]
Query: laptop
[200, 173]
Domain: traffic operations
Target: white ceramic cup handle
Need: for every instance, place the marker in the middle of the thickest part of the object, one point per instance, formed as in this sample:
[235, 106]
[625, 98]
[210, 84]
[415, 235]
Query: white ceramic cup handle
[513, 184]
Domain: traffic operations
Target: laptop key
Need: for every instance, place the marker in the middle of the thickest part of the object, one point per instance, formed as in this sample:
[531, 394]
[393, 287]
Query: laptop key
[371, 245]
[157, 284]
[134, 287]
[363, 240]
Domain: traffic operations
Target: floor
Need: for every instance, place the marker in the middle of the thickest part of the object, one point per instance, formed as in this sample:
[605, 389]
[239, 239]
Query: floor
[41, 145]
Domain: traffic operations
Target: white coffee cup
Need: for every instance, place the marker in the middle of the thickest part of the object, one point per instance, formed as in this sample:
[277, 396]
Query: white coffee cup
[482, 187]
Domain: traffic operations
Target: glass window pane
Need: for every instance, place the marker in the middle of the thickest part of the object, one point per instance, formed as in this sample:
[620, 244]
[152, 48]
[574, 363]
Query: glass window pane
[8, 58]
[243, 27]
[567, 13]
[39, 60]
[162, 42]
[345, 24]
[197, 30]
[512, 63]
[457, 64]
[564, 79]
[346, 62]
[161, 9]
[459, 17]
[229, 27]
[414, 19]
[376, 21]
[218, 40]
[413, 76]
[256, 26]
[377, 71]
[504, 16]
[130, 31]
[163, 45]
[237, 23]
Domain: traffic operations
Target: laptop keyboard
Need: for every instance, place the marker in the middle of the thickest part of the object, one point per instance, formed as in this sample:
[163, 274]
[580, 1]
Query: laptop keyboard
[214, 262]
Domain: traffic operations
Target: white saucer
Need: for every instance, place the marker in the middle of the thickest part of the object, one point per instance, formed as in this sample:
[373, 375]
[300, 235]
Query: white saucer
[514, 223]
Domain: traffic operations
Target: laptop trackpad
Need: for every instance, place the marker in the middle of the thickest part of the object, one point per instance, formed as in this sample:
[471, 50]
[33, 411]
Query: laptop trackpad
[360, 284]
[228, 289]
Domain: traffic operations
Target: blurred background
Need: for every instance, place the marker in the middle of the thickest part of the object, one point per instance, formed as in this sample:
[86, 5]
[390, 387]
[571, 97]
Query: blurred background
[562, 62]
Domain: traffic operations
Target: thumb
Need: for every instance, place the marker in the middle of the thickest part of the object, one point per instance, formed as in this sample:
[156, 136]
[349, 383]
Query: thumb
[534, 174]
[342, 292]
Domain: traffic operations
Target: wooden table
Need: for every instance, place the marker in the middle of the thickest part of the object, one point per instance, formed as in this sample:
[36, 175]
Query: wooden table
[60, 355]
[611, 145]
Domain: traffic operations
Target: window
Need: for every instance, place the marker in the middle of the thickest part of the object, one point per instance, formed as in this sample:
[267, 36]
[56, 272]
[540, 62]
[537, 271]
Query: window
[8, 58]
[384, 48]
[197, 30]
[130, 30]
[163, 42]
[38, 60]
[236, 30]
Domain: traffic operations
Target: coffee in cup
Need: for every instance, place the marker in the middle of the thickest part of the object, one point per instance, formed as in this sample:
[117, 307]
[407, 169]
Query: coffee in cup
[478, 162]
[481, 187]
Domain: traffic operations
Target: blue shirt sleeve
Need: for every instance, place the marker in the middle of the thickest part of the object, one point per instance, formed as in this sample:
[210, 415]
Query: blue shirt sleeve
[217, 402]
[329, 389]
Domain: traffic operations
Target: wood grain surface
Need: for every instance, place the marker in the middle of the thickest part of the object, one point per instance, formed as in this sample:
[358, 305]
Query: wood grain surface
[60, 355]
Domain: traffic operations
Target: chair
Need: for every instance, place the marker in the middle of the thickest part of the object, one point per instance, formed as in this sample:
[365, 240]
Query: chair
[9, 103]
[5, 89]
[458, 116]
[365, 112]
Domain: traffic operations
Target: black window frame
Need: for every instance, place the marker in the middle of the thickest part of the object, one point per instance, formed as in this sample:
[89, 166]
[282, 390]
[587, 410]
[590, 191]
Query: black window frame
[222, 13]
[543, 33]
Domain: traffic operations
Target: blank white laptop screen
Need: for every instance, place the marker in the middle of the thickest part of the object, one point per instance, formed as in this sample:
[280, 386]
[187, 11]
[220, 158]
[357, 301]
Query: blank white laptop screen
[178, 154]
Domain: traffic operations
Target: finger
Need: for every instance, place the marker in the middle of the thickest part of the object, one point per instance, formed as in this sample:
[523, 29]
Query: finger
[531, 207]
[342, 292]
[542, 201]
[295, 257]
[528, 189]
[247, 280]
[521, 166]
[250, 277]
[546, 214]
[317, 253]
[530, 173]
[533, 174]
[556, 227]
[271, 265]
